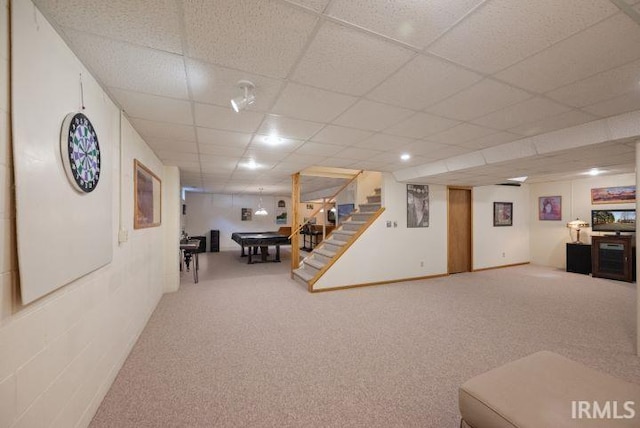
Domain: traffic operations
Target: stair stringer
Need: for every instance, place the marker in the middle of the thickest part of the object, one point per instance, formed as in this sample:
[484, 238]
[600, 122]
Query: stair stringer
[344, 249]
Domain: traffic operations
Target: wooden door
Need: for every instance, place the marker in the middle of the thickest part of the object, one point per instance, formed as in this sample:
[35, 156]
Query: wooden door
[459, 242]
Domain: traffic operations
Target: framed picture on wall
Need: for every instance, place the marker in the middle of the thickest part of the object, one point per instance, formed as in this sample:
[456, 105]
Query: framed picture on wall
[417, 205]
[245, 214]
[281, 216]
[147, 197]
[550, 208]
[503, 213]
[613, 195]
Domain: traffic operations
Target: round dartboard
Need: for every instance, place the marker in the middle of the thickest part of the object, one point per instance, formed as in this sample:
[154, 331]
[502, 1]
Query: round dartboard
[80, 152]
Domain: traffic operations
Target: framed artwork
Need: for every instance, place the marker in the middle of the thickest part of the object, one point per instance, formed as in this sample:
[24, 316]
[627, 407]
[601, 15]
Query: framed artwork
[245, 214]
[281, 203]
[503, 213]
[613, 195]
[417, 205]
[550, 208]
[281, 216]
[147, 197]
[344, 211]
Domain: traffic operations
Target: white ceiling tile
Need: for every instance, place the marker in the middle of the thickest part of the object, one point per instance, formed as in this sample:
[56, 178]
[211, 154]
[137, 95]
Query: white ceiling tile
[172, 145]
[288, 128]
[125, 66]
[268, 142]
[265, 37]
[222, 138]
[421, 125]
[348, 61]
[618, 105]
[260, 154]
[465, 161]
[305, 102]
[503, 32]
[217, 164]
[212, 84]
[423, 82]
[490, 140]
[340, 135]
[372, 116]
[153, 107]
[209, 149]
[317, 5]
[461, 133]
[600, 87]
[610, 44]
[478, 100]
[358, 153]
[562, 120]
[124, 20]
[336, 162]
[320, 149]
[416, 23]
[288, 167]
[159, 130]
[225, 118]
[421, 147]
[301, 158]
[383, 142]
[184, 165]
[522, 113]
[177, 156]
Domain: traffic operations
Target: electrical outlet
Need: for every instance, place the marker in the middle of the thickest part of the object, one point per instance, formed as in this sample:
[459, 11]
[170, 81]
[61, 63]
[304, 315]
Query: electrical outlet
[123, 235]
[421, 264]
[395, 224]
[389, 223]
[503, 255]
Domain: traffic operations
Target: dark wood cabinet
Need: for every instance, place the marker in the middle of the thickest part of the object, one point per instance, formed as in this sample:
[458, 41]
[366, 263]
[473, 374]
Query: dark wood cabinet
[613, 257]
[579, 258]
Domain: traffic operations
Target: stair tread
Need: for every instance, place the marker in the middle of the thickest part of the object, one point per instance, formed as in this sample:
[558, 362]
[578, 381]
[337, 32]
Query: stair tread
[354, 222]
[345, 232]
[325, 252]
[305, 275]
[315, 263]
[334, 242]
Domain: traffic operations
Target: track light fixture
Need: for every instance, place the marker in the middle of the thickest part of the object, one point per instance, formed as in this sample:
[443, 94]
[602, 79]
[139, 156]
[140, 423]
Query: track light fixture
[248, 97]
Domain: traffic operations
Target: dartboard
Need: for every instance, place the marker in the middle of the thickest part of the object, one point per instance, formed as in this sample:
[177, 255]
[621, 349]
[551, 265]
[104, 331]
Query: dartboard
[80, 152]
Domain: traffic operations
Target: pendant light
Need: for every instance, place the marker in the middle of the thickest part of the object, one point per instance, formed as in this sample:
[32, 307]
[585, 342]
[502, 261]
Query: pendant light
[261, 210]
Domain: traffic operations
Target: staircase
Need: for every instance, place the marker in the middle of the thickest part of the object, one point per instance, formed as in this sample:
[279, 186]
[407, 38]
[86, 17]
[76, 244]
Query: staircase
[330, 249]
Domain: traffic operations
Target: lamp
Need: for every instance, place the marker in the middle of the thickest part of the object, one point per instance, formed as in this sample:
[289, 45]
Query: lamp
[261, 210]
[577, 224]
[248, 97]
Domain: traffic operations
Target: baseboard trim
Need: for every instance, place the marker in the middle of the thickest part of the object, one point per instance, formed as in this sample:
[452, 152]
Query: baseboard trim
[370, 284]
[501, 266]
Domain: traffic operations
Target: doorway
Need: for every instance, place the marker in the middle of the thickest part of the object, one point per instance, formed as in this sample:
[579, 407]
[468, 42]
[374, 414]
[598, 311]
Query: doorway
[459, 230]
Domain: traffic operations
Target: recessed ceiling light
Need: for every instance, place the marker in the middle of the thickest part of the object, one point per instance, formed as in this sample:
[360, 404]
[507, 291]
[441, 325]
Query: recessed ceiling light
[519, 179]
[273, 140]
[405, 156]
[251, 164]
[594, 171]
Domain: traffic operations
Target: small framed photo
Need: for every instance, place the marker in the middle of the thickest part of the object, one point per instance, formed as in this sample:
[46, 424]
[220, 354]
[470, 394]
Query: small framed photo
[147, 197]
[310, 206]
[503, 213]
[550, 208]
[245, 214]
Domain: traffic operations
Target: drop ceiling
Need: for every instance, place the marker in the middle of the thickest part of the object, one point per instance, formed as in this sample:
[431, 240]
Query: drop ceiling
[354, 84]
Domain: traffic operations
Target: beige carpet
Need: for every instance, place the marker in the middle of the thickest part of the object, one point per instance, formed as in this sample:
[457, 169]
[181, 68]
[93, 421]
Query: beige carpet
[249, 347]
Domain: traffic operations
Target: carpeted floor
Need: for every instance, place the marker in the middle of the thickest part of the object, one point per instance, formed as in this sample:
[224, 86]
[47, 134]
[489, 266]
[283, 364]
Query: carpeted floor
[249, 347]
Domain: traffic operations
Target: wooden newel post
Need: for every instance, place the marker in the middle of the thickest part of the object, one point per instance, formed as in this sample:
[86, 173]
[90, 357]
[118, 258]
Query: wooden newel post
[295, 224]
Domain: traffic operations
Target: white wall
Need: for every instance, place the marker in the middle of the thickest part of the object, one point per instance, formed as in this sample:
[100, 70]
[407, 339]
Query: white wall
[388, 254]
[171, 215]
[549, 238]
[213, 211]
[502, 245]
[60, 354]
